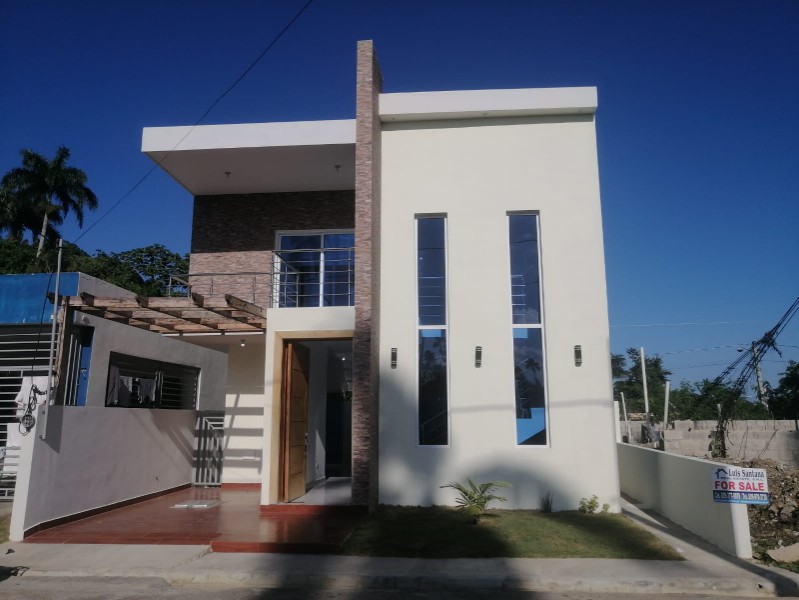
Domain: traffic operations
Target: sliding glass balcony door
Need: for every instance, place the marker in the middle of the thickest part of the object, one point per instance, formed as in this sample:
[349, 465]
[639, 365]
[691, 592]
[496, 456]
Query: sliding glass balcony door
[315, 269]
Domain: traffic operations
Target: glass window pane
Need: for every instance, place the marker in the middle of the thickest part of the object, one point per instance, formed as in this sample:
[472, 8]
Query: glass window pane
[310, 276]
[524, 274]
[339, 284]
[528, 363]
[300, 242]
[431, 272]
[301, 270]
[339, 240]
[433, 421]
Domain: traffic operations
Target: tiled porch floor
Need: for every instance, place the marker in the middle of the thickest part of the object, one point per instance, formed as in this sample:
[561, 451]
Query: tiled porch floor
[234, 525]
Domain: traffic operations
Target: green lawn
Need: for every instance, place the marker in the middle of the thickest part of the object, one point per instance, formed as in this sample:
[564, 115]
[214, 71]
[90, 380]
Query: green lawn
[5, 522]
[439, 532]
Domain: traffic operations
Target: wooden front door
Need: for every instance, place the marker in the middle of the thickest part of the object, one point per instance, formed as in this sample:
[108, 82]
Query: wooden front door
[296, 361]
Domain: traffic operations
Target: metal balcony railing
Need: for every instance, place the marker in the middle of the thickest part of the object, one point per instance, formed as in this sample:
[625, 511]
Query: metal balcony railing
[298, 278]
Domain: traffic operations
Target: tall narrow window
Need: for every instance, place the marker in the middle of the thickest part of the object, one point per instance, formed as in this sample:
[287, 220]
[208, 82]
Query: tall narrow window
[431, 285]
[528, 347]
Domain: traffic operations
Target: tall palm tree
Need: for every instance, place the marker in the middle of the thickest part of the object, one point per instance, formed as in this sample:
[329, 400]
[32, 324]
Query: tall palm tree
[45, 191]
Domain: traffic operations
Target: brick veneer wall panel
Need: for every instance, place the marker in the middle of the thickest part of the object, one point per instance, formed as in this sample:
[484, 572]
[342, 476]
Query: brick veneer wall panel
[249, 222]
[365, 343]
[237, 234]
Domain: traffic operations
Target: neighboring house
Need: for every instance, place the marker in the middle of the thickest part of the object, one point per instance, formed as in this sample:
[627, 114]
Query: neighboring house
[433, 281]
[122, 420]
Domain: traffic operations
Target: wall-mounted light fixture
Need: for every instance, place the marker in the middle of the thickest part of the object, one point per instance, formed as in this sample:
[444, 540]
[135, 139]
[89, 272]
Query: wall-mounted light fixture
[243, 343]
[478, 356]
[578, 355]
[393, 358]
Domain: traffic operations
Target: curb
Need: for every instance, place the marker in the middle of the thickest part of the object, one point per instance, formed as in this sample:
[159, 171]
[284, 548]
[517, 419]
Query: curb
[736, 587]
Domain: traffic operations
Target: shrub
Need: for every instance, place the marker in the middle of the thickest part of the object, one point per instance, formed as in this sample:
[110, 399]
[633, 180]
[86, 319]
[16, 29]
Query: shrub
[589, 505]
[475, 497]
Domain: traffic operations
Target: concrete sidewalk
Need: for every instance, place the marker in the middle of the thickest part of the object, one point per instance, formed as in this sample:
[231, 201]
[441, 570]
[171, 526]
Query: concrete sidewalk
[705, 571]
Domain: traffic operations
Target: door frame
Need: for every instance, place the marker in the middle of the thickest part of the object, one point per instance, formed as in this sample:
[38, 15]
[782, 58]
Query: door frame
[275, 492]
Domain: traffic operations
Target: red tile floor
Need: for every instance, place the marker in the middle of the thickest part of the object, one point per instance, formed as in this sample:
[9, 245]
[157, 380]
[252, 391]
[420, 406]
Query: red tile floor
[235, 525]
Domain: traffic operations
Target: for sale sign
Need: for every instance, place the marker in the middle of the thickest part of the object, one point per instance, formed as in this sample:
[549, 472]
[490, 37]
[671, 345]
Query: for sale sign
[739, 485]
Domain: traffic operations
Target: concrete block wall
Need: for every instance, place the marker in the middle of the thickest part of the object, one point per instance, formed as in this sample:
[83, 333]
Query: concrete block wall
[746, 440]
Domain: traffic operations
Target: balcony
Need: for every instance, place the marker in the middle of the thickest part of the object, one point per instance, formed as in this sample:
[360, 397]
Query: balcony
[302, 278]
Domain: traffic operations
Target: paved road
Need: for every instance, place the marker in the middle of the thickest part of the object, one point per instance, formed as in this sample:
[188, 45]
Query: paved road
[118, 588]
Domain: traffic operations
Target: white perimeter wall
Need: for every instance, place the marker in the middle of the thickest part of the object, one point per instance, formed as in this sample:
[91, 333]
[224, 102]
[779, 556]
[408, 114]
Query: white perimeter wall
[476, 171]
[94, 457]
[680, 489]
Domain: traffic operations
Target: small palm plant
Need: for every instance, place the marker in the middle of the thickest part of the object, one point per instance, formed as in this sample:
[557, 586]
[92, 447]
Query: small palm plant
[475, 497]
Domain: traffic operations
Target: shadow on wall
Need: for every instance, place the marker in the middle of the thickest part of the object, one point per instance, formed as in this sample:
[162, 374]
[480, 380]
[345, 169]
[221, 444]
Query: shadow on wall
[236, 428]
[436, 475]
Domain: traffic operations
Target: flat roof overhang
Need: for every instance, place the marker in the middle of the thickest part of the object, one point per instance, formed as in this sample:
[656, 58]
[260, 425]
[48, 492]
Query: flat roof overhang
[256, 157]
[476, 104]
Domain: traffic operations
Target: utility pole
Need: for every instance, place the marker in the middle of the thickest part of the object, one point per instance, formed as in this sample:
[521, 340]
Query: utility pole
[50, 397]
[761, 390]
[643, 378]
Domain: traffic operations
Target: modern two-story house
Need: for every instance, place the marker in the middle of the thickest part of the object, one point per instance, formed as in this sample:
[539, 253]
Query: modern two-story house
[432, 277]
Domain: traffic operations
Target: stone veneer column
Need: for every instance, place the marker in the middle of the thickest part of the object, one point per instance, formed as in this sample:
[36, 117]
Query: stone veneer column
[367, 278]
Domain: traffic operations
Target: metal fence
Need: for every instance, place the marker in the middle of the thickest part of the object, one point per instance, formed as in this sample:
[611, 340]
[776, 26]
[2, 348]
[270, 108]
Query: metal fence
[15, 391]
[298, 278]
[209, 449]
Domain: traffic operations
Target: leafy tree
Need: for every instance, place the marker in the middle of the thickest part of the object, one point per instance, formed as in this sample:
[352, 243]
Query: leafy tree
[16, 256]
[43, 191]
[143, 271]
[699, 401]
[19, 256]
[154, 264]
[628, 380]
[783, 401]
[109, 268]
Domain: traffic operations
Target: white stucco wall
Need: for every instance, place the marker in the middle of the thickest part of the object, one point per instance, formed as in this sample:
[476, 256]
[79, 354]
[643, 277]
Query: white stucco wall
[98, 287]
[679, 488]
[115, 337]
[94, 457]
[244, 413]
[476, 171]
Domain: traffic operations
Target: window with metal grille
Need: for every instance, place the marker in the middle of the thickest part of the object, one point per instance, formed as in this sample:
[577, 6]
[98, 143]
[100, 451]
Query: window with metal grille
[135, 382]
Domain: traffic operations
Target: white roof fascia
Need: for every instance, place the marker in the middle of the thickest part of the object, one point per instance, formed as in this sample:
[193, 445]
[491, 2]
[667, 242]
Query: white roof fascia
[248, 135]
[475, 104]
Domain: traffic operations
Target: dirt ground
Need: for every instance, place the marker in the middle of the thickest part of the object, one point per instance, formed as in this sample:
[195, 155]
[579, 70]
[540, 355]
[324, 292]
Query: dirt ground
[777, 524]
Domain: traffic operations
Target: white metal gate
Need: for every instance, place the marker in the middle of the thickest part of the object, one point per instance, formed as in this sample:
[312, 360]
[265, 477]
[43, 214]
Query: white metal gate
[208, 450]
[24, 352]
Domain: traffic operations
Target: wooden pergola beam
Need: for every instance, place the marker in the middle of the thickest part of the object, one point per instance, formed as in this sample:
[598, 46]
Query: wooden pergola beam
[181, 315]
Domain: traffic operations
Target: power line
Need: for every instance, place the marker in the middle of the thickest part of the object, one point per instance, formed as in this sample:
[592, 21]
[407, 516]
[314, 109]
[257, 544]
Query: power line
[200, 120]
[702, 349]
[750, 358]
[695, 366]
[689, 323]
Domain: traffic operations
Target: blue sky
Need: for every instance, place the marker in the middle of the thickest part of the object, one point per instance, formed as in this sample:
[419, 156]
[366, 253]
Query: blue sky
[697, 125]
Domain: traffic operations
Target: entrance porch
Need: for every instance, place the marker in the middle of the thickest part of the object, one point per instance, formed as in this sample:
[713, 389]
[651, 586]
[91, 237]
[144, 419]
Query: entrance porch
[231, 521]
